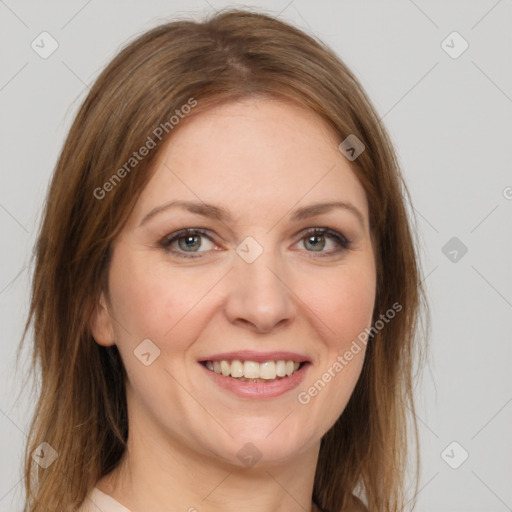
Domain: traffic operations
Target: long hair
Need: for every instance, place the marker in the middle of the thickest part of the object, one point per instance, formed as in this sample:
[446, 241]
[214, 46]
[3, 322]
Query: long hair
[81, 410]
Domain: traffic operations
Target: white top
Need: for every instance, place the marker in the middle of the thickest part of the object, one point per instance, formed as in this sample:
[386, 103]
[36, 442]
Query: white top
[100, 502]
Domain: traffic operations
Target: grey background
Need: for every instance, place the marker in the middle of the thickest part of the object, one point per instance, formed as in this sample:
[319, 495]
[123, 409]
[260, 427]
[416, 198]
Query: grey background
[451, 122]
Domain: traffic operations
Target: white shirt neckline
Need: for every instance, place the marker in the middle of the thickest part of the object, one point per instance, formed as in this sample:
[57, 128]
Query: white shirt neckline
[102, 502]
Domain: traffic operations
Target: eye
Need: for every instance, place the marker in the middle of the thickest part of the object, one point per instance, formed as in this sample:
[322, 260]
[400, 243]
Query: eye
[318, 238]
[189, 241]
[186, 243]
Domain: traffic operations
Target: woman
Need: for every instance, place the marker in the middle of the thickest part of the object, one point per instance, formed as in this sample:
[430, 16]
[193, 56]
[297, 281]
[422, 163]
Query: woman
[226, 289]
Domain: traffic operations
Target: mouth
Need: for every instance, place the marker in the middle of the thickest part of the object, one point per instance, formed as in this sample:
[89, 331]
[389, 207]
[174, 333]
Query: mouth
[252, 371]
[256, 380]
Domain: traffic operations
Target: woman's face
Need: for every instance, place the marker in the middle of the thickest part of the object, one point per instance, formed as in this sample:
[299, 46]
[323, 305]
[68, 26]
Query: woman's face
[250, 279]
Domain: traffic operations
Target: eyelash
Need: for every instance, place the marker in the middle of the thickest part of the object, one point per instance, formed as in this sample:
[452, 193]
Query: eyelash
[343, 243]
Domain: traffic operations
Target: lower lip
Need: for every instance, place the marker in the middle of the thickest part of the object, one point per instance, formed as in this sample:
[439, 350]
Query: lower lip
[258, 390]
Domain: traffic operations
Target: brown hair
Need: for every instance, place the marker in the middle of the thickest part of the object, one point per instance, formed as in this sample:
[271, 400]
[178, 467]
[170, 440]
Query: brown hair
[81, 411]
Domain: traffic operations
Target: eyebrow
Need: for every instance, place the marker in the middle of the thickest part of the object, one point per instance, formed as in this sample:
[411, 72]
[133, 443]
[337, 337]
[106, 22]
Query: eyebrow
[221, 214]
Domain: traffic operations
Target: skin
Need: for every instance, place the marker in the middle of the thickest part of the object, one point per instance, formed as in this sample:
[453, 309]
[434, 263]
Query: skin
[261, 159]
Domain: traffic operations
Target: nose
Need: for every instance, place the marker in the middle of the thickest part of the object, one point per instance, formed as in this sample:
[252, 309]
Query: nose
[259, 297]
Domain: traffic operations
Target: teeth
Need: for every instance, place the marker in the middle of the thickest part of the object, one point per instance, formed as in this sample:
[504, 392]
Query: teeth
[252, 371]
[268, 370]
[224, 368]
[281, 368]
[237, 369]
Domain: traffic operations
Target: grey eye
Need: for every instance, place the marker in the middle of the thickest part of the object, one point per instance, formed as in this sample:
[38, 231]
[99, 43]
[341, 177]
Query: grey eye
[317, 242]
[189, 242]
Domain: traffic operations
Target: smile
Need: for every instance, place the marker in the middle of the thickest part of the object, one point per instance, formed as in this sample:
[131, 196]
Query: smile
[250, 379]
[252, 371]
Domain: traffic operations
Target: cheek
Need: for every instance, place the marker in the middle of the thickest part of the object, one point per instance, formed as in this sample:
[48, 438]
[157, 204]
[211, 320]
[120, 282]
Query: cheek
[343, 307]
[352, 311]
[343, 302]
[151, 301]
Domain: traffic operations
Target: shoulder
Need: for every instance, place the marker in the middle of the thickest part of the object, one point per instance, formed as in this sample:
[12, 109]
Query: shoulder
[98, 501]
[88, 505]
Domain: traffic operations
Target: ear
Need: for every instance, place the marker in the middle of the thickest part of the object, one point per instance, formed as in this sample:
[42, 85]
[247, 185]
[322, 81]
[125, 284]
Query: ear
[101, 324]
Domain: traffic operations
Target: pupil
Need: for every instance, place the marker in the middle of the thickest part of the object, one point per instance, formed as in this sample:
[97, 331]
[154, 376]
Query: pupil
[190, 241]
[316, 244]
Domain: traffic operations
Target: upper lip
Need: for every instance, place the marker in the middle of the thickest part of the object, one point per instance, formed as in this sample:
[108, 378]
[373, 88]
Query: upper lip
[258, 357]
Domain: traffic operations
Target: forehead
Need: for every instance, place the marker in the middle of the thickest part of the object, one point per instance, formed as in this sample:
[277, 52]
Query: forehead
[253, 156]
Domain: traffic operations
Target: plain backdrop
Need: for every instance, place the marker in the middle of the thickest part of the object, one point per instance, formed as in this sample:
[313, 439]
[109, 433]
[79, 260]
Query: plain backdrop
[449, 115]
